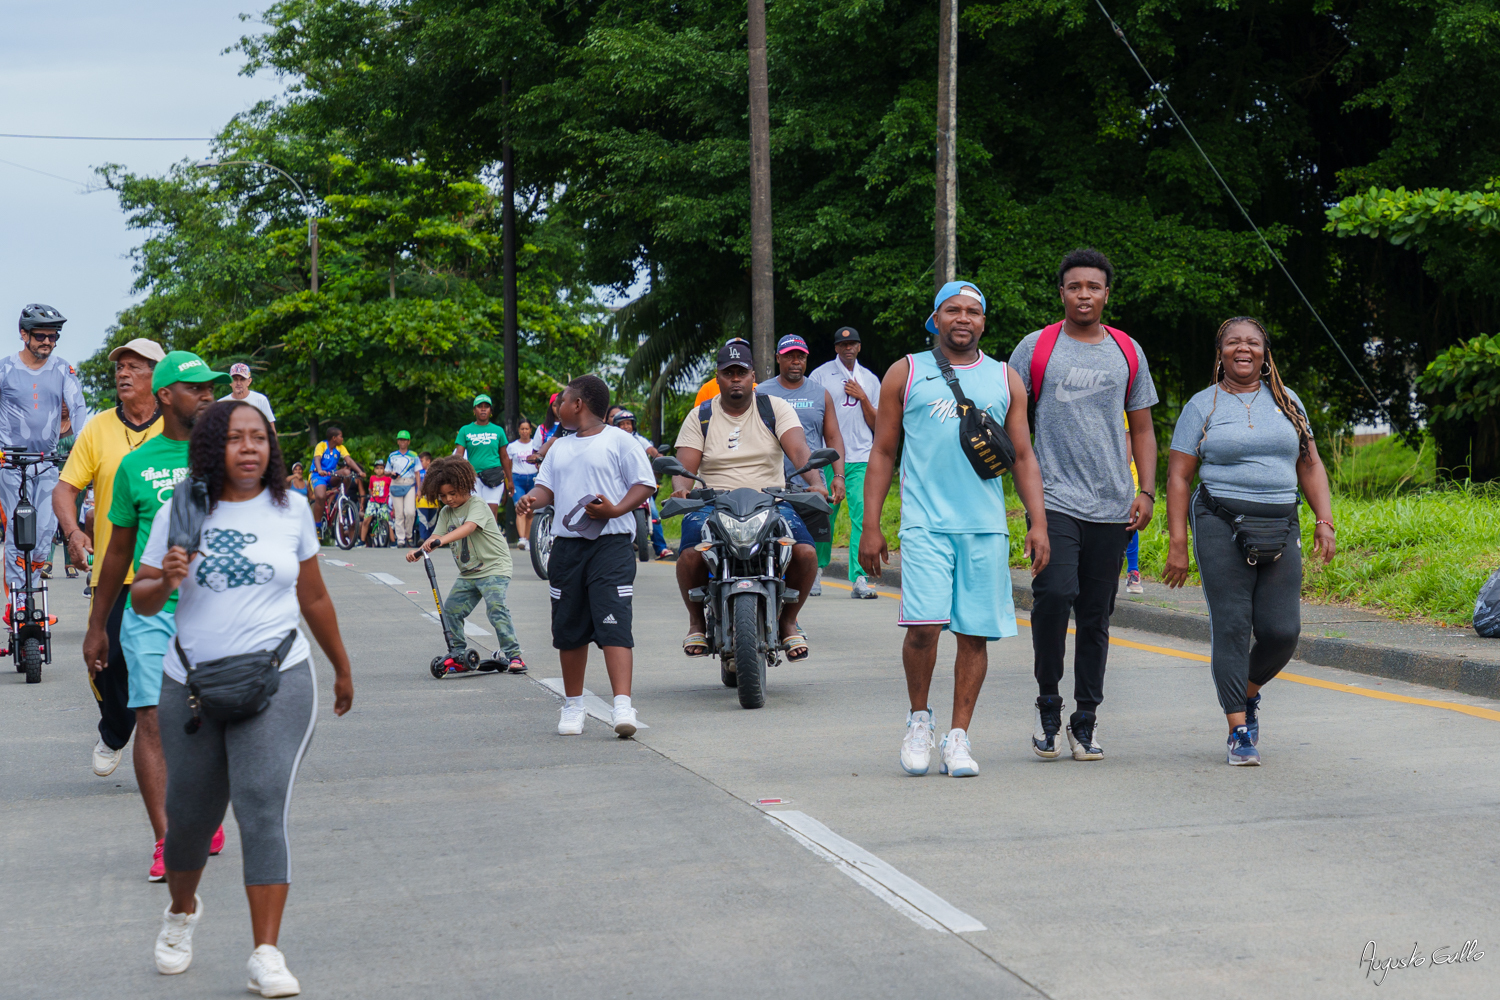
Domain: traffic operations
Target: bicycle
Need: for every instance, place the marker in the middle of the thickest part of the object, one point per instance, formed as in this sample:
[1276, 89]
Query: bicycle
[26, 618]
[341, 518]
[381, 527]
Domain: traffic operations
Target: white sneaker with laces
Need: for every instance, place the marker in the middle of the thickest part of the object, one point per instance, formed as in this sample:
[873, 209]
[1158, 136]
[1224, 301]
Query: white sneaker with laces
[956, 759]
[862, 591]
[916, 748]
[625, 722]
[1083, 737]
[524, 545]
[105, 759]
[268, 973]
[571, 723]
[174, 945]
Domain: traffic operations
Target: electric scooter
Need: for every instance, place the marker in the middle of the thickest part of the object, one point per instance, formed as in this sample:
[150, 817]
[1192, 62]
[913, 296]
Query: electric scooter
[28, 625]
[449, 664]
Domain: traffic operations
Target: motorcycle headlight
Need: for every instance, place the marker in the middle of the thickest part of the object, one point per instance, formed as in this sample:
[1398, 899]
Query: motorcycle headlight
[742, 534]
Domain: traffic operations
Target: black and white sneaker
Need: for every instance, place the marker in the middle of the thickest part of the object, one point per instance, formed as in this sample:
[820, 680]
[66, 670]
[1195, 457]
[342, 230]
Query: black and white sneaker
[1252, 720]
[1044, 740]
[1083, 733]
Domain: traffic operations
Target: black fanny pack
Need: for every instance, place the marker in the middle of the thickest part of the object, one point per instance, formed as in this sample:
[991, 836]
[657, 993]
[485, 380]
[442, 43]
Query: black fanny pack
[984, 441]
[493, 476]
[1260, 539]
[233, 688]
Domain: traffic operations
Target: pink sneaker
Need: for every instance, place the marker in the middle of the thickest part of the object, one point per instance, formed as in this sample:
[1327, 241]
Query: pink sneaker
[217, 844]
[158, 866]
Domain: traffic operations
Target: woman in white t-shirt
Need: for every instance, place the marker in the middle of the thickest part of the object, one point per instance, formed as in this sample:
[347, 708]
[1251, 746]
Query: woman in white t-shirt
[524, 474]
[243, 592]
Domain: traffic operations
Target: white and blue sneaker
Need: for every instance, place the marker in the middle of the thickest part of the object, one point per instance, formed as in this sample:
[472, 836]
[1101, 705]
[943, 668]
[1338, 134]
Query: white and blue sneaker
[956, 759]
[916, 749]
[1044, 739]
[1252, 719]
[1083, 736]
[1242, 752]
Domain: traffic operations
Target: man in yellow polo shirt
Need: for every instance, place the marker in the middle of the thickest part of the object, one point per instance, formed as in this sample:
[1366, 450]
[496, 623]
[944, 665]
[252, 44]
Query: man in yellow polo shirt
[104, 440]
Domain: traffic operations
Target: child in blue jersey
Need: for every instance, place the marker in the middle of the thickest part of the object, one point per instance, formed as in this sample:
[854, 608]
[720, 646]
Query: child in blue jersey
[955, 545]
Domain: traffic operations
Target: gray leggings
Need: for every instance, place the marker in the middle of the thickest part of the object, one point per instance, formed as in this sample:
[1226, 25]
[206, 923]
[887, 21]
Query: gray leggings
[1244, 601]
[251, 763]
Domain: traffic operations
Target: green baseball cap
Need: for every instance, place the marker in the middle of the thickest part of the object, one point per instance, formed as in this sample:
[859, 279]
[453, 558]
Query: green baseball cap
[482, 398]
[403, 434]
[184, 366]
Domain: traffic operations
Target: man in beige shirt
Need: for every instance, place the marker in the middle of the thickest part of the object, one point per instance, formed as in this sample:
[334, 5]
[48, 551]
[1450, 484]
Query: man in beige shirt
[730, 443]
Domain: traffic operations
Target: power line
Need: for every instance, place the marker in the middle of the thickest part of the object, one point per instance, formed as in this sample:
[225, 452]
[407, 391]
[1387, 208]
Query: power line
[109, 138]
[22, 166]
[1120, 33]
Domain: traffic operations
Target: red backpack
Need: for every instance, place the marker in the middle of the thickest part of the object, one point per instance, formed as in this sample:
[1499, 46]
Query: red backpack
[1048, 340]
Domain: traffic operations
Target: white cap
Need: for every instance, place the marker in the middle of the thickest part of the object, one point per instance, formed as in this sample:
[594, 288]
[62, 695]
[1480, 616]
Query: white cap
[239, 368]
[148, 349]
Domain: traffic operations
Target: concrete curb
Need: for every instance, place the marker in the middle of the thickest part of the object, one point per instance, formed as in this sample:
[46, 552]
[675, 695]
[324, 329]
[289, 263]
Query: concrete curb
[1451, 673]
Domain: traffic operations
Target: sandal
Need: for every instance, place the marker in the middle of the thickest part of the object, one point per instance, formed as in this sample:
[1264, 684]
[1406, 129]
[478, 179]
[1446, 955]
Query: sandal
[517, 665]
[695, 640]
[796, 646]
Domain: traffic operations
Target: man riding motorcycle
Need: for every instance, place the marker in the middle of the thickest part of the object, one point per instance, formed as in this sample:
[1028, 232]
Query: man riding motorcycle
[733, 440]
[35, 384]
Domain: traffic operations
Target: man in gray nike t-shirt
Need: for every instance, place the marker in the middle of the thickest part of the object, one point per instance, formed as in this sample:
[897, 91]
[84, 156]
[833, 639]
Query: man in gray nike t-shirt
[1083, 403]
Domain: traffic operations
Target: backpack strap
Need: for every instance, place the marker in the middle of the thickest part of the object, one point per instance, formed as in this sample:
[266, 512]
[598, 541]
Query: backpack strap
[705, 410]
[1042, 354]
[767, 413]
[1132, 360]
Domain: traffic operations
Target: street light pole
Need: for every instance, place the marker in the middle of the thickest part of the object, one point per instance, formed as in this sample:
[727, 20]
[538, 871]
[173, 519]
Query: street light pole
[312, 243]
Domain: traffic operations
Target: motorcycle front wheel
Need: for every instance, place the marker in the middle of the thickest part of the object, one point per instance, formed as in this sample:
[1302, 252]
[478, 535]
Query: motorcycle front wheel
[749, 664]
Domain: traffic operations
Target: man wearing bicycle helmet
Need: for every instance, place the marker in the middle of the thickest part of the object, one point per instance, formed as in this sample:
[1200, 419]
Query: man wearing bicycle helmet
[34, 385]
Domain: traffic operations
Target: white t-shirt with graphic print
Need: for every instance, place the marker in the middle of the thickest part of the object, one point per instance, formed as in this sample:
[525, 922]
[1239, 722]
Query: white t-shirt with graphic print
[240, 594]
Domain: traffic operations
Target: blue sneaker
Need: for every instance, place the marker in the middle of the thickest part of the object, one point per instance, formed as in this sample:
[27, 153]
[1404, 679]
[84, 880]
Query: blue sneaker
[1252, 719]
[1242, 752]
[916, 749]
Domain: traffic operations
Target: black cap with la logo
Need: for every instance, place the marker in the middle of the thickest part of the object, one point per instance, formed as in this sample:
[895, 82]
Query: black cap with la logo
[735, 354]
[845, 335]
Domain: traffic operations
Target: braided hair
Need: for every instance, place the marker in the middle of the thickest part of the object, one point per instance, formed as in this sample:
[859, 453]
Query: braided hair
[1272, 376]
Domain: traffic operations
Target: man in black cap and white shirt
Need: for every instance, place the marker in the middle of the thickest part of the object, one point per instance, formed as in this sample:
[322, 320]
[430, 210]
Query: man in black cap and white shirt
[240, 379]
[855, 390]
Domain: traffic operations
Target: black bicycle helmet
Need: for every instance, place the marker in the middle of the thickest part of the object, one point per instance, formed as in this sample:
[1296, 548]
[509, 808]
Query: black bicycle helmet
[38, 315]
[623, 416]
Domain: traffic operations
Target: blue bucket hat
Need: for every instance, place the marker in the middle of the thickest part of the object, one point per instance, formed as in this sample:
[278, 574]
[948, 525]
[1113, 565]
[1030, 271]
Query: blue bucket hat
[947, 292]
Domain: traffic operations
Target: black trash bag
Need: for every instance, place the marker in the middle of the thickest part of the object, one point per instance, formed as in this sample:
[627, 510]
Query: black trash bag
[189, 511]
[1487, 608]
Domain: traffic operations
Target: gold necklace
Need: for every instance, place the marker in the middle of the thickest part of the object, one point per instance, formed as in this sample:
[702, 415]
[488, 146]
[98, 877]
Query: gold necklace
[1248, 418]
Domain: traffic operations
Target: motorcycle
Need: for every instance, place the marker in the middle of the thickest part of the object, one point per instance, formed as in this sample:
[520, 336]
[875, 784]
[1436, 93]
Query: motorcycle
[748, 547]
[26, 619]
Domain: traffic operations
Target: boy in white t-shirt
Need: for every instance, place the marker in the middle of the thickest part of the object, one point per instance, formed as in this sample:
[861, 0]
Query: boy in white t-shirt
[592, 564]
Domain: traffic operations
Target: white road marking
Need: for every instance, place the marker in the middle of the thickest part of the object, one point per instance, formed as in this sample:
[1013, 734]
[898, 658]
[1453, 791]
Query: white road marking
[592, 703]
[387, 579]
[336, 562]
[916, 901]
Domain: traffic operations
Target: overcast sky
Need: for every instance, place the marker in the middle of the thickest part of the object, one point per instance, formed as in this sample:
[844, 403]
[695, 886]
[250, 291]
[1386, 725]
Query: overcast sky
[147, 68]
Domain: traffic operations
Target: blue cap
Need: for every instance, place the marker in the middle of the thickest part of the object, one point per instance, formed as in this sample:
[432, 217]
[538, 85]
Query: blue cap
[947, 292]
[791, 342]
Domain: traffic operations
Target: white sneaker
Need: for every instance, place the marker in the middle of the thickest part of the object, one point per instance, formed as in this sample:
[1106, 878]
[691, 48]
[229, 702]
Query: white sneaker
[268, 973]
[956, 759]
[862, 591]
[106, 760]
[523, 545]
[174, 945]
[1083, 737]
[916, 749]
[571, 723]
[624, 720]
[816, 590]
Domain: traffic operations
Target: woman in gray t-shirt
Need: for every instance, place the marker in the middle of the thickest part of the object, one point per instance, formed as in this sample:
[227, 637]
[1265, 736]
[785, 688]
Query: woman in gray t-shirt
[1248, 439]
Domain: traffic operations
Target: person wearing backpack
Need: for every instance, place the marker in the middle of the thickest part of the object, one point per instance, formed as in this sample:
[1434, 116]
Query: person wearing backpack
[1080, 374]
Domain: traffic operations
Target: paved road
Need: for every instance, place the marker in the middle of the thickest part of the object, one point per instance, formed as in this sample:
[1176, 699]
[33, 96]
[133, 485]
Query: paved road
[448, 843]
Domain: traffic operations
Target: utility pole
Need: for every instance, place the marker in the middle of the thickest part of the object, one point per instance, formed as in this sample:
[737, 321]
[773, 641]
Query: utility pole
[508, 226]
[945, 215]
[762, 321]
[312, 362]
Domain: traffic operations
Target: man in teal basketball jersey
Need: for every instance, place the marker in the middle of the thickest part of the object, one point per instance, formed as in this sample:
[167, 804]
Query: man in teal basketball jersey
[955, 545]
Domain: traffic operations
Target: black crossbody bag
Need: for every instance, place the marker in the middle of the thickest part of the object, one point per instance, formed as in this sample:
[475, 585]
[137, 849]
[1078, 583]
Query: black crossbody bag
[984, 441]
[493, 476]
[1260, 539]
[233, 688]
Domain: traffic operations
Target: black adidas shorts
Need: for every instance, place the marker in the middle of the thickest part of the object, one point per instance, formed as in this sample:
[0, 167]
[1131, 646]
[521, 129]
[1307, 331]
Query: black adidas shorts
[592, 583]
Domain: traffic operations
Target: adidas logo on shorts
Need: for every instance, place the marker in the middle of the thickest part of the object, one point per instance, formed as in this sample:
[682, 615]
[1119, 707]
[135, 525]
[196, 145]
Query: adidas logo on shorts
[610, 620]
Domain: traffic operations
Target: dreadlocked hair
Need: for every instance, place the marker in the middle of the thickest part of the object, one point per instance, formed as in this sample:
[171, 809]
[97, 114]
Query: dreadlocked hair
[1270, 374]
[209, 441]
[450, 470]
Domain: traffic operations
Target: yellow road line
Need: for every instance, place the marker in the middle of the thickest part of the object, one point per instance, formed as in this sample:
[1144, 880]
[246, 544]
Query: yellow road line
[1451, 706]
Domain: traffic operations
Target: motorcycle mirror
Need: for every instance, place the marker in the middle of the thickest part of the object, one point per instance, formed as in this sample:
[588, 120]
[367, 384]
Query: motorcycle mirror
[666, 465]
[818, 459]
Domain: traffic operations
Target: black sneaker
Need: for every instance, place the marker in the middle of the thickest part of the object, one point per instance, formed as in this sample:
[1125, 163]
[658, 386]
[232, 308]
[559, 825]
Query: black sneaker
[1252, 719]
[1083, 736]
[1044, 741]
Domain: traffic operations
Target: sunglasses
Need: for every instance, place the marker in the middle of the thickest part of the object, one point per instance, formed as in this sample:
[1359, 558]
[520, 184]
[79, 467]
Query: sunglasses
[50, 337]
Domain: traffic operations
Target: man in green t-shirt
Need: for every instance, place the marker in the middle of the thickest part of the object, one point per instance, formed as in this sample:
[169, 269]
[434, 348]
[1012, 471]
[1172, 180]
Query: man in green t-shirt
[184, 387]
[483, 444]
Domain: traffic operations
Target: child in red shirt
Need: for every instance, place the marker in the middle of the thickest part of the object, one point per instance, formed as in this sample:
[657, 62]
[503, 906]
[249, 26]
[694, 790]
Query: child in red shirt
[379, 502]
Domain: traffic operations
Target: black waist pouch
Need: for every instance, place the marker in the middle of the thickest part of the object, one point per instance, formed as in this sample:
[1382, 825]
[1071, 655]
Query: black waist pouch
[493, 476]
[233, 688]
[984, 440]
[1260, 539]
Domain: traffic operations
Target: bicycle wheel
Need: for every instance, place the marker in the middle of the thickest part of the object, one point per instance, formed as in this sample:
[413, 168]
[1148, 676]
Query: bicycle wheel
[540, 541]
[346, 524]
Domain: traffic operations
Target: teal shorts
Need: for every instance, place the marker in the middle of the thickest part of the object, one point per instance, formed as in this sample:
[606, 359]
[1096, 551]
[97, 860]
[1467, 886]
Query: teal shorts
[961, 582]
[145, 642]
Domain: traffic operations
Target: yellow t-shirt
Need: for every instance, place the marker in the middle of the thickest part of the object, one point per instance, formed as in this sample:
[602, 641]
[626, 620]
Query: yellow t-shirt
[96, 455]
[741, 450]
